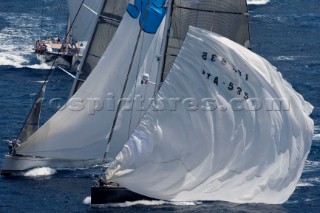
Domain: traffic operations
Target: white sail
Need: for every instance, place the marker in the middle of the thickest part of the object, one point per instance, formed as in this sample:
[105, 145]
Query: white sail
[81, 129]
[138, 100]
[217, 142]
[83, 16]
[106, 26]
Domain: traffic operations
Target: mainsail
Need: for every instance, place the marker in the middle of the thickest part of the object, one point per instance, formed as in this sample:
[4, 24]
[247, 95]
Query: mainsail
[109, 19]
[83, 23]
[238, 131]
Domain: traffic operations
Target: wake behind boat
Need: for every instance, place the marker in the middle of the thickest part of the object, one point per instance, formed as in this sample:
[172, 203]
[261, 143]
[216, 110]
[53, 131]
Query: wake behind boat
[70, 50]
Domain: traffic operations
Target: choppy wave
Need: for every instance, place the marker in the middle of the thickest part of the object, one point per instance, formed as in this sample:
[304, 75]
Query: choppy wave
[316, 137]
[17, 39]
[311, 166]
[87, 200]
[40, 172]
[309, 181]
[303, 184]
[286, 58]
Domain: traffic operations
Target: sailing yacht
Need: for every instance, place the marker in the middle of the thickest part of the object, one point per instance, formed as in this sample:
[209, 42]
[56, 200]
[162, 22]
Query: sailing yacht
[173, 101]
[69, 51]
[109, 19]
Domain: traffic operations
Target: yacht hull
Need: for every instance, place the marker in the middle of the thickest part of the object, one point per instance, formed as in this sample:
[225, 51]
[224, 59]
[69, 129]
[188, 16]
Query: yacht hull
[56, 59]
[101, 195]
[17, 163]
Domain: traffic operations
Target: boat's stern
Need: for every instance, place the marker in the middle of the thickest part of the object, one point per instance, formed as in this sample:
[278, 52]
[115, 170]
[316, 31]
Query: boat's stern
[18, 163]
[15, 164]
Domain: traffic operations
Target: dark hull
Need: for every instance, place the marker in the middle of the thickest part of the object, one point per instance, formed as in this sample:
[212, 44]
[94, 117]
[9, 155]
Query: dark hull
[57, 59]
[104, 194]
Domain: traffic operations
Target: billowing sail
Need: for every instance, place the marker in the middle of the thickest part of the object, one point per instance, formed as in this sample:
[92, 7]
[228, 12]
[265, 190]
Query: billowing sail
[81, 129]
[83, 16]
[225, 126]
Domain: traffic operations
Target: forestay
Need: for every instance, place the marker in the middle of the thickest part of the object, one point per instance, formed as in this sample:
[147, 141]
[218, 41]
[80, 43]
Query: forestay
[226, 126]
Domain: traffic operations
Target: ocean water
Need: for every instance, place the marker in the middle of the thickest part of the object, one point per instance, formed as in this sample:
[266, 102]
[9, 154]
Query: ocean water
[286, 32]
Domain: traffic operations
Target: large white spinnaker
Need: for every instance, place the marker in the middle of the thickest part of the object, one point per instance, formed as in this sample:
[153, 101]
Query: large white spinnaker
[236, 131]
[80, 130]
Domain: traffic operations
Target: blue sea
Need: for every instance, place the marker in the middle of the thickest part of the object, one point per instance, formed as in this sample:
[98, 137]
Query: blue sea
[285, 32]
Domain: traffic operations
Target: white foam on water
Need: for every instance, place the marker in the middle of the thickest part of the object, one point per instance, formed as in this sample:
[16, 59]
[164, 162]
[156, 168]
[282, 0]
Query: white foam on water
[40, 172]
[12, 59]
[316, 137]
[257, 2]
[314, 181]
[18, 38]
[303, 184]
[311, 166]
[87, 200]
[185, 203]
[143, 202]
[286, 58]
[41, 82]
[43, 66]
